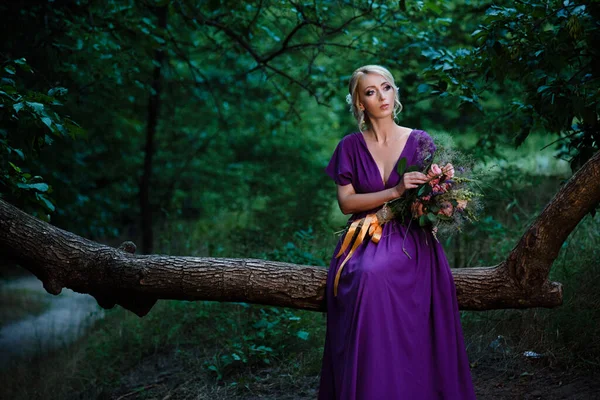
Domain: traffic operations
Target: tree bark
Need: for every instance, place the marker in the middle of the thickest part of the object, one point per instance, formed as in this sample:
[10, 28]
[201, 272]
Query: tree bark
[113, 276]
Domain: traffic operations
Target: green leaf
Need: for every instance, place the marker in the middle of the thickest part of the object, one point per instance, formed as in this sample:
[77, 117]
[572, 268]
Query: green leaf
[8, 89]
[40, 187]
[58, 91]
[23, 65]
[18, 107]
[422, 220]
[412, 168]
[17, 169]
[401, 166]
[45, 202]
[10, 69]
[303, 335]
[38, 108]
[543, 88]
[424, 190]
[431, 217]
[47, 121]
[19, 153]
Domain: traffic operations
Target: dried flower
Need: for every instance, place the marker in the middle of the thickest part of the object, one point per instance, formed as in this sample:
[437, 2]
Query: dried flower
[446, 208]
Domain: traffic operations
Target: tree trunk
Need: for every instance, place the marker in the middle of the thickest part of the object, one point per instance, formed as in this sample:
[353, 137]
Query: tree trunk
[153, 114]
[113, 276]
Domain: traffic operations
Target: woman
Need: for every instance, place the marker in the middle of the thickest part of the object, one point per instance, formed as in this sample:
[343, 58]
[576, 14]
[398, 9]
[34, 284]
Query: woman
[393, 326]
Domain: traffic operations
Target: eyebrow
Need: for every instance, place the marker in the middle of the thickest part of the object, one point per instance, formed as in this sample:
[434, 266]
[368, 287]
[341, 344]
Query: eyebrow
[384, 83]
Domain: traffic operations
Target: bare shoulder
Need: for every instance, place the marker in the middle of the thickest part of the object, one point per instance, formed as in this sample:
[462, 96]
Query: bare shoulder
[404, 131]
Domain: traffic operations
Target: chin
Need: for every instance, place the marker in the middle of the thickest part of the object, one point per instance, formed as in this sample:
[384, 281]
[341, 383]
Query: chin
[385, 114]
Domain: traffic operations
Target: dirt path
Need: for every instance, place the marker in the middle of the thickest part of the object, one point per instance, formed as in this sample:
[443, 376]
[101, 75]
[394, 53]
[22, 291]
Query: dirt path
[66, 319]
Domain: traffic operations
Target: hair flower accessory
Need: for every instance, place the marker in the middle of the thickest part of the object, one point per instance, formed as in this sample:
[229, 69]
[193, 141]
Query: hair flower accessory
[349, 101]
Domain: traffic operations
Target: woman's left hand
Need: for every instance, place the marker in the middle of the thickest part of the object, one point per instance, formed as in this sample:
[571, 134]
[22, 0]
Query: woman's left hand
[448, 170]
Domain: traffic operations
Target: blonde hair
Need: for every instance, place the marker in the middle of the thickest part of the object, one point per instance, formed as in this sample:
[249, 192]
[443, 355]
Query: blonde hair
[361, 118]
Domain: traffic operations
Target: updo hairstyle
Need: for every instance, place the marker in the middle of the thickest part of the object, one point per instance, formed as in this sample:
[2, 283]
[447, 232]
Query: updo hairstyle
[353, 99]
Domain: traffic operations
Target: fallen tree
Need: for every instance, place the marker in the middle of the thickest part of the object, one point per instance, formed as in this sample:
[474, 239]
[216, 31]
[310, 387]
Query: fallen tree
[117, 276]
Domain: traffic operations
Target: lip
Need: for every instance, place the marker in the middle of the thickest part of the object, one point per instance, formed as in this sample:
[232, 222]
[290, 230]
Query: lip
[385, 107]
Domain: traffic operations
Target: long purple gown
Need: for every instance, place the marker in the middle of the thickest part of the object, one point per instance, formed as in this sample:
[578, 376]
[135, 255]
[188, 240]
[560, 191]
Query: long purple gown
[393, 331]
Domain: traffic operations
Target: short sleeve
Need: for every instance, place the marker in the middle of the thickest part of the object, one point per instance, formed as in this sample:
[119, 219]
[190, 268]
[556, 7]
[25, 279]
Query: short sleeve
[340, 165]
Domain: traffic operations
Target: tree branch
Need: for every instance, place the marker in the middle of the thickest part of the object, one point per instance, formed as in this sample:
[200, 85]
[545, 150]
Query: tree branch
[63, 259]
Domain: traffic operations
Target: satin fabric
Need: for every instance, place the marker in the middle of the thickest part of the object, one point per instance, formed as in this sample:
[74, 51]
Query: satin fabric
[393, 330]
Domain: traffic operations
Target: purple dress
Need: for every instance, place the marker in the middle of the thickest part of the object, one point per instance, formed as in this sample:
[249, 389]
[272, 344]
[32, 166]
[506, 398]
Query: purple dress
[393, 331]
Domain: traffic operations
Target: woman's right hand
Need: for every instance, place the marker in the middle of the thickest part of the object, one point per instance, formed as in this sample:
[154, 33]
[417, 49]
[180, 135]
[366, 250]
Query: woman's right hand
[410, 180]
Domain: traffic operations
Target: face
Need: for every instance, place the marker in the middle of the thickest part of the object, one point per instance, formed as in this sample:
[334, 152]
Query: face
[376, 95]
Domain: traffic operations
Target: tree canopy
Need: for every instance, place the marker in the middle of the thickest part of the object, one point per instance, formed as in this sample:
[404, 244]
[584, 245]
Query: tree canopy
[252, 98]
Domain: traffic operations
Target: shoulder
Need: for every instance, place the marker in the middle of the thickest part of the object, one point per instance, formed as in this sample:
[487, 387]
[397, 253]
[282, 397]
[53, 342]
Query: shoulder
[351, 138]
[349, 143]
[421, 135]
[422, 138]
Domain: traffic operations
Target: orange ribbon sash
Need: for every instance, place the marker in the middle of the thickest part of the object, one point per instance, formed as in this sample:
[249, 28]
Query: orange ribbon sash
[371, 226]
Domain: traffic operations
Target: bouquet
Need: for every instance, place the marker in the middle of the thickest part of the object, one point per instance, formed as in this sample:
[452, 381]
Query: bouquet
[447, 200]
[443, 204]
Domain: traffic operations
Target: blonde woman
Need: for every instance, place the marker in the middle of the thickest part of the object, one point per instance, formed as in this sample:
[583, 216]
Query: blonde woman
[393, 326]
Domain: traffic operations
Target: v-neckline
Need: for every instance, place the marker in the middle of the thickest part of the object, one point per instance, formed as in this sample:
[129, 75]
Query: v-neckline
[381, 177]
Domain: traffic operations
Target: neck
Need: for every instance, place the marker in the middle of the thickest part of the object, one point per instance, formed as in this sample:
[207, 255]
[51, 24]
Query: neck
[384, 130]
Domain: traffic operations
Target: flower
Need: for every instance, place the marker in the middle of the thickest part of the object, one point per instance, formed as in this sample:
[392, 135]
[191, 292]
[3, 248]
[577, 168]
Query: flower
[446, 208]
[349, 98]
[462, 204]
[434, 171]
[437, 189]
[450, 172]
[434, 182]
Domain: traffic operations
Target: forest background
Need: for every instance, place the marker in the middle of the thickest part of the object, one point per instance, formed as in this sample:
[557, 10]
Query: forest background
[203, 128]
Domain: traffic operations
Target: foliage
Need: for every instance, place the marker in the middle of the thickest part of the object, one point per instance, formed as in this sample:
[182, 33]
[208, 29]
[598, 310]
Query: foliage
[541, 60]
[28, 123]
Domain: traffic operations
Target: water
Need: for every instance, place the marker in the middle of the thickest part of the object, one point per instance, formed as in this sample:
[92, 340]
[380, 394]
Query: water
[64, 321]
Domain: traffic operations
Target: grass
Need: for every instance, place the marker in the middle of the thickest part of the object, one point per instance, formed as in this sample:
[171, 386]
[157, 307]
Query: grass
[567, 336]
[235, 347]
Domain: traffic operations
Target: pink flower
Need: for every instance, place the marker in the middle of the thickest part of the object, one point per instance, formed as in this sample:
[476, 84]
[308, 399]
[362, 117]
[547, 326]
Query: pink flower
[434, 182]
[426, 198]
[446, 208]
[434, 171]
[449, 172]
[437, 189]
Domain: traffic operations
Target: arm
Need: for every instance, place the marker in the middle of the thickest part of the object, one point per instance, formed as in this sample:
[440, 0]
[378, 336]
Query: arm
[351, 202]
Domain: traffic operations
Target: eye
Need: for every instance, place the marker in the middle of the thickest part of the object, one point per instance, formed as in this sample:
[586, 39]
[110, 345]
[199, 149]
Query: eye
[369, 92]
[387, 87]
